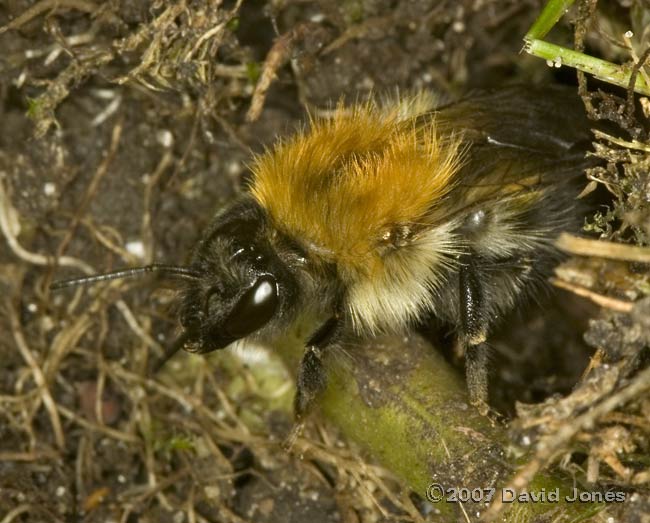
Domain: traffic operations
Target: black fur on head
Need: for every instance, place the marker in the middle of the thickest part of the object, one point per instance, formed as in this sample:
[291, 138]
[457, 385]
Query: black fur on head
[242, 285]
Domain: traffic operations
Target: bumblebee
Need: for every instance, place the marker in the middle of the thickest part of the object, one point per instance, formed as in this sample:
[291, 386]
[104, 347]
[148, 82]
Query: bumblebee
[384, 215]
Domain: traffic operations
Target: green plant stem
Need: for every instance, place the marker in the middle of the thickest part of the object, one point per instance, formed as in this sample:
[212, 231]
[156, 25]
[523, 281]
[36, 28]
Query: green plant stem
[552, 12]
[556, 55]
[601, 69]
[406, 406]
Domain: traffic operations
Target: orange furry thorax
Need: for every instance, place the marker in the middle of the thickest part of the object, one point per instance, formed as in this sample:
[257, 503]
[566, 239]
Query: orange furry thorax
[358, 183]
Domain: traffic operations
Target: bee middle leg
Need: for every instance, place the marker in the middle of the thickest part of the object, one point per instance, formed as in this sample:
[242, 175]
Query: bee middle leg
[474, 325]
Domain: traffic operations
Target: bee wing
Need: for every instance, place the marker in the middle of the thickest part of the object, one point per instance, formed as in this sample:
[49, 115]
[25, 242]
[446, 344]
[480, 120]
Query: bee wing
[544, 120]
[518, 139]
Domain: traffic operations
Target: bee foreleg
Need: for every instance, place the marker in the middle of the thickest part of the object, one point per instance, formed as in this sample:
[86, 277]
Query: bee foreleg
[312, 376]
[473, 332]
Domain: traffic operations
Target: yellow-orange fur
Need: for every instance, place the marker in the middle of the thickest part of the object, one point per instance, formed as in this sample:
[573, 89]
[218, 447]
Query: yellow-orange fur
[352, 187]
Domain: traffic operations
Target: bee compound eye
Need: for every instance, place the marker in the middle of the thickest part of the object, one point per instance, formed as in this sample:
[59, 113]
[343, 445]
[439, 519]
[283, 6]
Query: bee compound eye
[254, 309]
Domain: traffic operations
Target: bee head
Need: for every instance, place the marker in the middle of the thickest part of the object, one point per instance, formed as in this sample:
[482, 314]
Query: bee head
[235, 285]
[242, 285]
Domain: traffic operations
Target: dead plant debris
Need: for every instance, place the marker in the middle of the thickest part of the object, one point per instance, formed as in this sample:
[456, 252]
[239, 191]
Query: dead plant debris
[125, 125]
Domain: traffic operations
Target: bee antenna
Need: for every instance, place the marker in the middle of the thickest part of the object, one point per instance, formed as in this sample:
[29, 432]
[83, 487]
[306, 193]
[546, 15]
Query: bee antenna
[184, 273]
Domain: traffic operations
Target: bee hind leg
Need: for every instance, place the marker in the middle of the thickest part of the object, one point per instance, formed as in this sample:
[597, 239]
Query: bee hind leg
[473, 333]
[476, 372]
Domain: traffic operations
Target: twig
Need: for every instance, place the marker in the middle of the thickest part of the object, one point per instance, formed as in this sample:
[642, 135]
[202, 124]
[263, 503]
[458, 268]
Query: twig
[628, 144]
[147, 232]
[92, 187]
[103, 238]
[277, 56]
[599, 299]
[210, 33]
[157, 28]
[636, 68]
[35, 455]
[567, 431]
[20, 509]
[602, 249]
[31, 257]
[46, 5]
[63, 342]
[39, 378]
[89, 425]
[132, 322]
